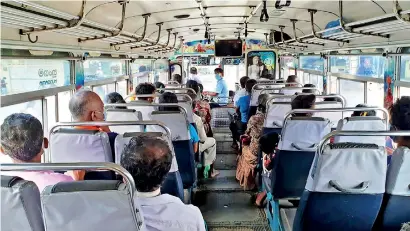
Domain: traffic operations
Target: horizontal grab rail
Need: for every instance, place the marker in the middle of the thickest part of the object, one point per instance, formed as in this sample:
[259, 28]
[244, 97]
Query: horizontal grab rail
[73, 166]
[323, 142]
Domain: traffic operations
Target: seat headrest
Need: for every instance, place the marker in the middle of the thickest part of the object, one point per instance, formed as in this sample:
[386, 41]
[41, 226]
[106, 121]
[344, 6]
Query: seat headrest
[9, 181]
[90, 146]
[398, 177]
[303, 133]
[276, 114]
[124, 115]
[188, 108]
[353, 168]
[145, 110]
[111, 200]
[20, 204]
[256, 93]
[175, 121]
[362, 123]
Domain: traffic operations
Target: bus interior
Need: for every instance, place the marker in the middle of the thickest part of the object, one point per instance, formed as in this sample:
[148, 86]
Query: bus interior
[331, 170]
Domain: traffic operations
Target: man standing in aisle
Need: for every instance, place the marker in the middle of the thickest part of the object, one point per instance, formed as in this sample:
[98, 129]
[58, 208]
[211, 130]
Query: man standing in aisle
[221, 92]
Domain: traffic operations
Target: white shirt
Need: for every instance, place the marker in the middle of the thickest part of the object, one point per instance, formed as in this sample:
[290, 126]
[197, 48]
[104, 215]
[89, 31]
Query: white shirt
[238, 95]
[168, 213]
[195, 77]
[199, 127]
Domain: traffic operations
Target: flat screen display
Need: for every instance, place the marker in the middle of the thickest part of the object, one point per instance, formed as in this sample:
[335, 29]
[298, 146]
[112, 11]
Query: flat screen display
[228, 48]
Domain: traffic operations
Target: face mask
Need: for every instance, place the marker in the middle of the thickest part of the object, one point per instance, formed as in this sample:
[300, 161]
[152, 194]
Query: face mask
[218, 76]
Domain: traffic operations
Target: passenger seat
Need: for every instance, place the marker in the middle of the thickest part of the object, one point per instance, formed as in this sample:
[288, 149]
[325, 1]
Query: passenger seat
[396, 209]
[123, 115]
[90, 205]
[345, 188]
[334, 117]
[20, 205]
[362, 123]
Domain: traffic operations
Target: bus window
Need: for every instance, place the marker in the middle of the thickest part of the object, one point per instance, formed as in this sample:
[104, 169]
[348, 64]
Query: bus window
[353, 91]
[333, 85]
[51, 113]
[101, 91]
[110, 88]
[405, 68]
[375, 94]
[122, 88]
[404, 91]
[364, 66]
[140, 70]
[25, 75]
[306, 78]
[34, 108]
[95, 69]
[64, 114]
[312, 63]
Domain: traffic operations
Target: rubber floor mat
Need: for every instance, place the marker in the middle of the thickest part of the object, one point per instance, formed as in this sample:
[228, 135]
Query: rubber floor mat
[229, 209]
[224, 147]
[225, 161]
[225, 181]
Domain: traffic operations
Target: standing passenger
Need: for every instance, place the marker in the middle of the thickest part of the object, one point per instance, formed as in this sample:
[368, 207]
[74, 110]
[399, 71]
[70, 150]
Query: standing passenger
[194, 75]
[242, 91]
[221, 91]
[148, 160]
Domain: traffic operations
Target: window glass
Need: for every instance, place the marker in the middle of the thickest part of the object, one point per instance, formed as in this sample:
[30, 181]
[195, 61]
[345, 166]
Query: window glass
[287, 61]
[64, 114]
[25, 75]
[306, 78]
[141, 71]
[353, 92]
[34, 108]
[122, 88]
[375, 94]
[405, 68]
[312, 63]
[161, 68]
[333, 88]
[317, 80]
[404, 91]
[365, 66]
[101, 91]
[51, 113]
[207, 76]
[95, 69]
[110, 88]
[231, 77]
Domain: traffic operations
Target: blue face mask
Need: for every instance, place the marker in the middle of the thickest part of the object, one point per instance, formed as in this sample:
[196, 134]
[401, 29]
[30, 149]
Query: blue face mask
[218, 76]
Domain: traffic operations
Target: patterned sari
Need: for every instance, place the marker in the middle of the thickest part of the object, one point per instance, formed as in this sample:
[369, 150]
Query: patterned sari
[203, 110]
[248, 160]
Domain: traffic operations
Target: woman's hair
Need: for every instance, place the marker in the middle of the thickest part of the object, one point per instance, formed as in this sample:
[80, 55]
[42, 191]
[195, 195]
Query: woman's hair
[219, 71]
[168, 97]
[312, 91]
[243, 80]
[262, 101]
[400, 114]
[115, 97]
[177, 77]
[193, 84]
[303, 102]
[249, 85]
[364, 113]
[269, 142]
[291, 79]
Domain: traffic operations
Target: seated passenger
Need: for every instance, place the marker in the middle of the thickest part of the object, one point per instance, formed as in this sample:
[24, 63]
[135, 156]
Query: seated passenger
[242, 91]
[145, 89]
[206, 144]
[169, 97]
[22, 140]
[303, 102]
[159, 85]
[202, 107]
[148, 159]
[242, 106]
[290, 82]
[400, 120]
[86, 106]
[177, 78]
[247, 161]
[114, 97]
[311, 91]
[194, 75]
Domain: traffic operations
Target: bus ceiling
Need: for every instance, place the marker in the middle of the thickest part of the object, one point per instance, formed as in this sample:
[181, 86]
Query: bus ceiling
[141, 27]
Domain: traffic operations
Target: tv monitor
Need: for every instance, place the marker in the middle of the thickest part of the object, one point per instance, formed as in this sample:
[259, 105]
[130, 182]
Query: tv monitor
[228, 48]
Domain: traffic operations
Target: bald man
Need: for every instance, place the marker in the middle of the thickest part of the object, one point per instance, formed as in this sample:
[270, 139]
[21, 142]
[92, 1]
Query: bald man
[87, 106]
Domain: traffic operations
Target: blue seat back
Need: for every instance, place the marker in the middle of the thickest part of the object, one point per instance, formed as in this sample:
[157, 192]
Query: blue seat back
[396, 209]
[300, 136]
[183, 147]
[345, 188]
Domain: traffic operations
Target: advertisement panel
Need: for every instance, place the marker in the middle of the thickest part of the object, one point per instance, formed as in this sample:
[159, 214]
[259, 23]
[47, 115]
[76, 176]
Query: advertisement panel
[261, 64]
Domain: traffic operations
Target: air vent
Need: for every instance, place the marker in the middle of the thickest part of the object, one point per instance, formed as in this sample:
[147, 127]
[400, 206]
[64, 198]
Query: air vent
[181, 16]
[277, 12]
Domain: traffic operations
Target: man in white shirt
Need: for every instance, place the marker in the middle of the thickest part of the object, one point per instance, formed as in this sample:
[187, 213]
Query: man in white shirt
[242, 91]
[194, 75]
[148, 159]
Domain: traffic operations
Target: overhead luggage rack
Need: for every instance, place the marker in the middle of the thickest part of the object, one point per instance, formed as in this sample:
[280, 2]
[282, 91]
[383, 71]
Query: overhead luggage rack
[32, 18]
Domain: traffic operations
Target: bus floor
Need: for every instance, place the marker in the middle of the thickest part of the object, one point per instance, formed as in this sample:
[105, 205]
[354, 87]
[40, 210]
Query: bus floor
[225, 206]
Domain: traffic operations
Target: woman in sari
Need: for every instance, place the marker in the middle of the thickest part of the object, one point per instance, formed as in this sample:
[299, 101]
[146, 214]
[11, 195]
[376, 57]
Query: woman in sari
[247, 161]
[201, 108]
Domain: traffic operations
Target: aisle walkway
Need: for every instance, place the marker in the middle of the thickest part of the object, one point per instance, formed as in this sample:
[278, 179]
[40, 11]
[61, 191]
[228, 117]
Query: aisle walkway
[224, 204]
